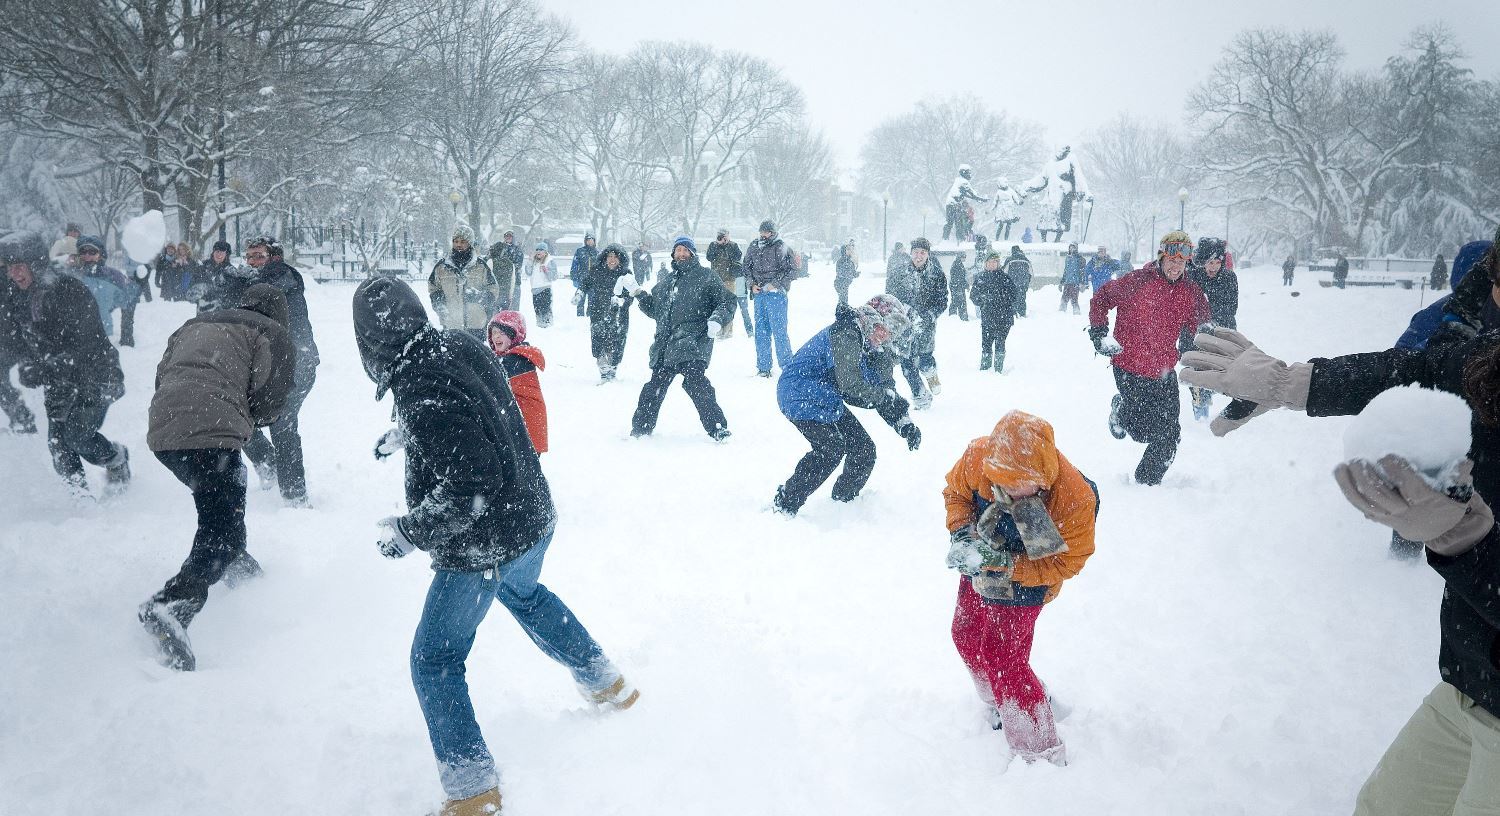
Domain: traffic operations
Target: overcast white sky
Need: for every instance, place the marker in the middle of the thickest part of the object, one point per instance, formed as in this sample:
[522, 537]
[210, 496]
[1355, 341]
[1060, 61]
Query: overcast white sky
[1067, 66]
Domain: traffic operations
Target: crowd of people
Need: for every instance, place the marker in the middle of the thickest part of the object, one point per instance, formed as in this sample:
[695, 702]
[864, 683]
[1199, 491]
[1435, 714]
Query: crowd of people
[472, 420]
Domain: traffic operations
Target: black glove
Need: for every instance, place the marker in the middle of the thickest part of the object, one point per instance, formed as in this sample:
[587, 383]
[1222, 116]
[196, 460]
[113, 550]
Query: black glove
[1102, 343]
[893, 408]
[32, 374]
[910, 432]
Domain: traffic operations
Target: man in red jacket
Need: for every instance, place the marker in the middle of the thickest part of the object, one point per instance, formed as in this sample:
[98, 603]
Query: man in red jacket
[1155, 303]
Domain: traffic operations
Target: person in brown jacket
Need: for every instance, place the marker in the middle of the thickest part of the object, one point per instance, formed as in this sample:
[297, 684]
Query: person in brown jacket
[463, 290]
[224, 374]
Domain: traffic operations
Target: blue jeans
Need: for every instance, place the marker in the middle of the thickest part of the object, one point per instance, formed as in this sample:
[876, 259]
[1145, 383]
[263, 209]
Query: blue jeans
[745, 315]
[770, 322]
[456, 604]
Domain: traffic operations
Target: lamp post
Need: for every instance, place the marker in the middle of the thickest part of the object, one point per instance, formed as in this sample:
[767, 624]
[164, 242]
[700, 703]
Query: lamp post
[455, 197]
[1182, 195]
[885, 226]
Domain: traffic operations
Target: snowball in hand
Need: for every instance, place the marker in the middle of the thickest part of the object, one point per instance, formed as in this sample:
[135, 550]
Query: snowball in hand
[1429, 429]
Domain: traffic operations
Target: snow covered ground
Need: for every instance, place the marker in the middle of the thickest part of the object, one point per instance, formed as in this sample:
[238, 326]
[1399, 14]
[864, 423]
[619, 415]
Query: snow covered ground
[1239, 644]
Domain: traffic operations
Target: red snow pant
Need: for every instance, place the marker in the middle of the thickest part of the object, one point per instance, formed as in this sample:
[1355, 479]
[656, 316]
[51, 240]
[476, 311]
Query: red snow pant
[995, 643]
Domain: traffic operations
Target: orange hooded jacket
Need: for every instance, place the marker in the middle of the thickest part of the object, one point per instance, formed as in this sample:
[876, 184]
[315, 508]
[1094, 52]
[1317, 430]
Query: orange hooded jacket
[1021, 451]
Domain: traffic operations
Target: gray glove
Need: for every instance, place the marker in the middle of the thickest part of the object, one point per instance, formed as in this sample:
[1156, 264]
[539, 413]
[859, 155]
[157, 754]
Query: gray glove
[1402, 500]
[969, 554]
[1227, 362]
[393, 542]
[389, 442]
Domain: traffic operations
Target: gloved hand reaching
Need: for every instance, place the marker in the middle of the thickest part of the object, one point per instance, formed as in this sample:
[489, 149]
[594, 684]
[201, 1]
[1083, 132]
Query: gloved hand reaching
[910, 432]
[393, 542]
[1396, 495]
[1227, 362]
[1102, 343]
[389, 442]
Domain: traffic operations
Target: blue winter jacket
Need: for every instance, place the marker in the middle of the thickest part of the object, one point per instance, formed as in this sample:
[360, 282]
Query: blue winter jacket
[1072, 270]
[810, 390]
[110, 289]
[1425, 323]
[1102, 272]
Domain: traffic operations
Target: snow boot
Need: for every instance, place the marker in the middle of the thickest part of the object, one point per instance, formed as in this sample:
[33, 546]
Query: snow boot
[167, 623]
[984, 361]
[922, 401]
[1000, 363]
[933, 383]
[117, 472]
[1056, 755]
[619, 696]
[265, 473]
[22, 421]
[242, 569]
[1116, 428]
[779, 504]
[482, 804]
[720, 435]
[78, 488]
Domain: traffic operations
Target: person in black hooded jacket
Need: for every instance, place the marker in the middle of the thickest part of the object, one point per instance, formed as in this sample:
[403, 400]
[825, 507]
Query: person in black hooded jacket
[609, 319]
[50, 324]
[1430, 760]
[479, 504]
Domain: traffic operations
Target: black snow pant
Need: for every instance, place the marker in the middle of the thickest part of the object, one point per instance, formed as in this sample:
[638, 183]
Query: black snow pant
[832, 442]
[698, 388]
[127, 324]
[217, 479]
[993, 330]
[1149, 413]
[958, 303]
[607, 336]
[73, 423]
[841, 288]
[541, 303]
[283, 449]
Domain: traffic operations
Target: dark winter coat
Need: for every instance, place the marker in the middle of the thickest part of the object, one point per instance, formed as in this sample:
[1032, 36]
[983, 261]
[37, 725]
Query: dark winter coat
[1469, 655]
[994, 293]
[1223, 293]
[209, 290]
[583, 261]
[505, 261]
[224, 374]
[1153, 312]
[1018, 267]
[54, 326]
[1341, 269]
[925, 290]
[897, 262]
[682, 302]
[475, 492]
[724, 259]
[600, 281]
[281, 275]
[958, 279]
[1439, 273]
[640, 264]
[769, 264]
[835, 367]
[846, 268]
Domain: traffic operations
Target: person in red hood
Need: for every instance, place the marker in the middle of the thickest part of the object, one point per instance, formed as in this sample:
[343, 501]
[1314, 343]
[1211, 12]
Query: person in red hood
[522, 361]
[1155, 303]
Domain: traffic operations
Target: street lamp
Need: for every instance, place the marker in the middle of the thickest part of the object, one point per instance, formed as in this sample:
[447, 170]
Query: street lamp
[1182, 208]
[456, 197]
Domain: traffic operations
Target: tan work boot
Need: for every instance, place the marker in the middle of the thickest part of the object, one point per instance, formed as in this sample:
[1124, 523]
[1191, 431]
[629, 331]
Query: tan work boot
[619, 696]
[481, 805]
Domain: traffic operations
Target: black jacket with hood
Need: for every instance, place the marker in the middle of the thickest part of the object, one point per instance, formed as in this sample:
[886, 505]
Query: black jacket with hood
[54, 326]
[599, 282]
[475, 491]
[682, 303]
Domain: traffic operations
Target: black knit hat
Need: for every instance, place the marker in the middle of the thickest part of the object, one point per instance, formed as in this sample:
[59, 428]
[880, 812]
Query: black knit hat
[222, 246]
[921, 243]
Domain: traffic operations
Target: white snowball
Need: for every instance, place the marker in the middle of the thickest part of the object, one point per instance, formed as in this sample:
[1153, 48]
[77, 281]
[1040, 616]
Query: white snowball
[1430, 429]
[144, 236]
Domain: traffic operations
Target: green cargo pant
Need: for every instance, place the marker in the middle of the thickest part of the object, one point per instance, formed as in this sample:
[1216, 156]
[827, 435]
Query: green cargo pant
[1446, 760]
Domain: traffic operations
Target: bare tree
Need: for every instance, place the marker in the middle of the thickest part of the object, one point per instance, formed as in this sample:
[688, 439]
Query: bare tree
[486, 67]
[1136, 169]
[704, 108]
[791, 172]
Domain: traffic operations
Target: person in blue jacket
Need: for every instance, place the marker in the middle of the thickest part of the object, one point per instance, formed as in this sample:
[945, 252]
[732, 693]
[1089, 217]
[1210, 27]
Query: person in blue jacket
[1102, 269]
[1426, 322]
[109, 286]
[1072, 278]
[849, 363]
